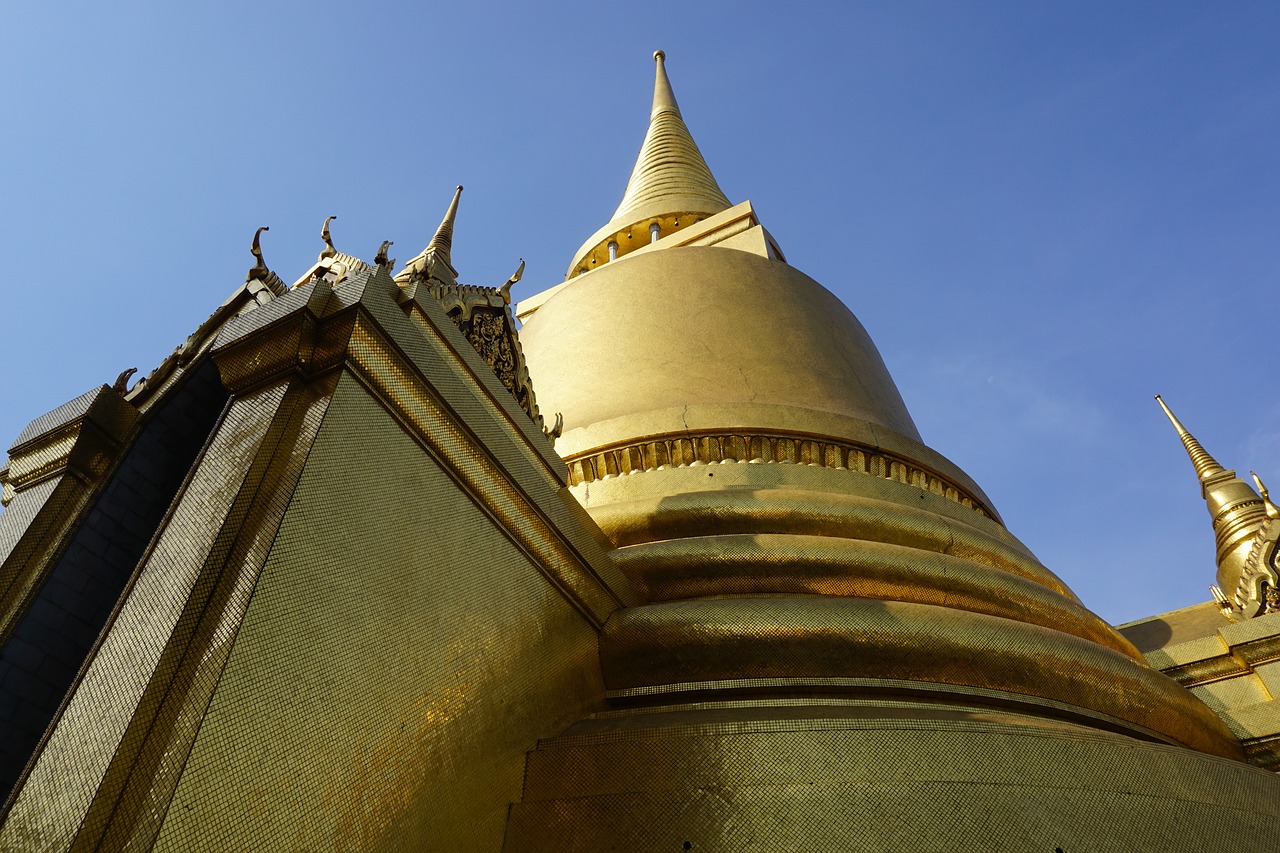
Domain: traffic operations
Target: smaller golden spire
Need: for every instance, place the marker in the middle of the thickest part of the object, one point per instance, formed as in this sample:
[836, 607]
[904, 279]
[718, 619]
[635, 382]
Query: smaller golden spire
[1206, 465]
[442, 242]
[1237, 512]
[434, 263]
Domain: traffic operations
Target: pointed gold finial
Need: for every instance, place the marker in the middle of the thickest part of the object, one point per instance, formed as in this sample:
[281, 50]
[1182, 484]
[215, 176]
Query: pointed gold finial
[259, 268]
[329, 250]
[442, 242]
[664, 99]
[1272, 510]
[433, 263]
[1206, 465]
[671, 184]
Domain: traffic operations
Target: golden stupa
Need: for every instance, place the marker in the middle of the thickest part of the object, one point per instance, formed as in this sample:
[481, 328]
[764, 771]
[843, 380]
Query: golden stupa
[338, 582]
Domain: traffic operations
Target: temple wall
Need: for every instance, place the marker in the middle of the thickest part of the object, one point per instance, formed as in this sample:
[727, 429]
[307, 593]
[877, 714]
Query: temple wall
[398, 658]
[68, 606]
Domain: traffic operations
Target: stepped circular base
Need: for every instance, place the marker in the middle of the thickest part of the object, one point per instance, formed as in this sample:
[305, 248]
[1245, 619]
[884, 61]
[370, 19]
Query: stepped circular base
[811, 776]
[801, 638]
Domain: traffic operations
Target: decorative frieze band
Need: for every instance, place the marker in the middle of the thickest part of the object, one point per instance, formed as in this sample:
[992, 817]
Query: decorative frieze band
[716, 448]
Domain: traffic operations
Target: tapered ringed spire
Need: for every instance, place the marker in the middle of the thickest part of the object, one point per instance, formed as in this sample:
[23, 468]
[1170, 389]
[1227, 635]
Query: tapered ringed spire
[671, 185]
[442, 241]
[1235, 508]
[664, 99]
[433, 263]
[1205, 464]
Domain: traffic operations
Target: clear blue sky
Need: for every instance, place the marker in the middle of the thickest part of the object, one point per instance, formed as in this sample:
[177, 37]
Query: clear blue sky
[1042, 212]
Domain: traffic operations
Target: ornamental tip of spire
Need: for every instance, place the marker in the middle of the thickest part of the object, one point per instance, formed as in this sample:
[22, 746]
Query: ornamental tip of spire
[1177, 424]
[1205, 464]
[664, 97]
[442, 241]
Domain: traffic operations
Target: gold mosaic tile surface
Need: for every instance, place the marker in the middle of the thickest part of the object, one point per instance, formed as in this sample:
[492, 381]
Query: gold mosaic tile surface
[19, 514]
[399, 657]
[883, 785]
[127, 811]
[53, 802]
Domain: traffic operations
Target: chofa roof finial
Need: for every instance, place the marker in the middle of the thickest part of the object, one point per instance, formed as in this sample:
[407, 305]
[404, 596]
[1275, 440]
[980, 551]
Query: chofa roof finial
[259, 268]
[381, 259]
[329, 250]
[505, 290]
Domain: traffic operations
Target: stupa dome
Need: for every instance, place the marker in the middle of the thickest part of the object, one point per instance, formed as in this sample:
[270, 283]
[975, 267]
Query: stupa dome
[731, 427]
[708, 327]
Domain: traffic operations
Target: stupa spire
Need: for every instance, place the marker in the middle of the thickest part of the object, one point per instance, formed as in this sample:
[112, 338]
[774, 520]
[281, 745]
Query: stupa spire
[1206, 465]
[434, 263]
[671, 185]
[670, 175]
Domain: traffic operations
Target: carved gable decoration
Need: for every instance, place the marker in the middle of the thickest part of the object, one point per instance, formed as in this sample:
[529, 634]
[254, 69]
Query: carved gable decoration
[483, 315]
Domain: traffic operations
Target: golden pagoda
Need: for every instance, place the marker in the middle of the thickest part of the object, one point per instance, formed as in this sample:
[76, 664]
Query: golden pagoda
[327, 578]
